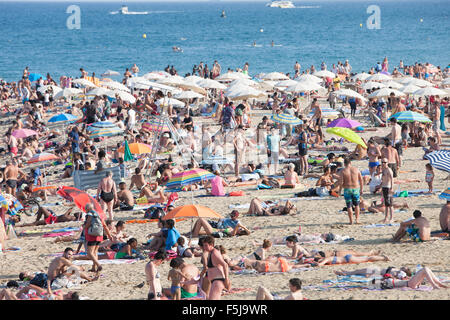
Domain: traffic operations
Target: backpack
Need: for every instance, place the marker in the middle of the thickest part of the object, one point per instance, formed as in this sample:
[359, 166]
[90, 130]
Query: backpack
[96, 227]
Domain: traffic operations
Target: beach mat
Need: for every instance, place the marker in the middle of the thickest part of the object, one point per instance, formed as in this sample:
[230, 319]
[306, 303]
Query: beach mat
[381, 225]
[105, 261]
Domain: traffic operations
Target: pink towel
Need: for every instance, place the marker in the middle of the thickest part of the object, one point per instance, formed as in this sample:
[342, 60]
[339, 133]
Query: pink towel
[58, 234]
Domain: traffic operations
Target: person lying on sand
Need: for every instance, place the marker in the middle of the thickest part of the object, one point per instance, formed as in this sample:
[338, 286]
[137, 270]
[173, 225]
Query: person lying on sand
[348, 258]
[32, 292]
[295, 286]
[418, 229]
[49, 217]
[413, 283]
[376, 271]
[273, 264]
[230, 226]
[268, 208]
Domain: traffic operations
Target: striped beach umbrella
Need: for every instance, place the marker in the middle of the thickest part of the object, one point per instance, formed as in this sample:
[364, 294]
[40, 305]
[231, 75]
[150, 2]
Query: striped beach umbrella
[154, 125]
[286, 118]
[410, 116]
[445, 195]
[105, 132]
[43, 156]
[10, 203]
[189, 177]
[101, 124]
[439, 159]
[63, 117]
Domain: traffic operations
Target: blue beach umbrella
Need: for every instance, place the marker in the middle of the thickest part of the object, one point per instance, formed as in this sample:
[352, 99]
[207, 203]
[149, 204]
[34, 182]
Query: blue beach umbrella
[286, 118]
[445, 195]
[439, 159]
[35, 76]
[410, 116]
[63, 117]
[101, 124]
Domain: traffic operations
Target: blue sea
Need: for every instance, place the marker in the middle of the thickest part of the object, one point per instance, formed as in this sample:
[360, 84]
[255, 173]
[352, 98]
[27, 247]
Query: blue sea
[35, 34]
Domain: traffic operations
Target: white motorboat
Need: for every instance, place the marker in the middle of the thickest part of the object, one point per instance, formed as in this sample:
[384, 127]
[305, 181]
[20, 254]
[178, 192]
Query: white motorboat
[124, 10]
[281, 4]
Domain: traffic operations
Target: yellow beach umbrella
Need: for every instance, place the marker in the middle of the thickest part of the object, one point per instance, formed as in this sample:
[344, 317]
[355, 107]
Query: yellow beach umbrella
[348, 135]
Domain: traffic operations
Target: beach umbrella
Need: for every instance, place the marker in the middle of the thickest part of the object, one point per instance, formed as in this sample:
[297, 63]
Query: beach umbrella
[63, 117]
[410, 116]
[392, 84]
[446, 81]
[308, 77]
[348, 93]
[172, 80]
[125, 96]
[136, 148]
[385, 93]
[409, 89]
[84, 83]
[304, 86]
[372, 84]
[192, 211]
[344, 123]
[379, 77]
[275, 76]
[194, 78]
[23, 133]
[348, 135]
[67, 93]
[105, 132]
[327, 113]
[110, 73]
[169, 101]
[286, 118]
[285, 83]
[243, 82]
[35, 77]
[41, 157]
[445, 195]
[100, 91]
[212, 84]
[439, 159]
[101, 124]
[155, 125]
[324, 74]
[430, 91]
[127, 153]
[420, 82]
[188, 95]
[360, 76]
[114, 85]
[188, 177]
[54, 89]
[81, 199]
[155, 75]
[230, 76]
[192, 86]
[243, 93]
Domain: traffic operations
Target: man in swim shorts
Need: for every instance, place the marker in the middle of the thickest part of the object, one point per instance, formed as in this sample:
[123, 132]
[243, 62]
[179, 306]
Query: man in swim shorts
[418, 229]
[351, 180]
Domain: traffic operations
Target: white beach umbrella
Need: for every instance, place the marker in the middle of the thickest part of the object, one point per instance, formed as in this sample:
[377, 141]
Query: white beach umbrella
[392, 84]
[265, 85]
[230, 76]
[275, 76]
[379, 77]
[386, 92]
[446, 81]
[84, 83]
[243, 92]
[114, 85]
[360, 76]
[110, 73]
[192, 86]
[67, 93]
[420, 83]
[372, 84]
[430, 91]
[100, 91]
[211, 84]
[55, 89]
[194, 78]
[188, 95]
[169, 101]
[403, 80]
[285, 83]
[309, 78]
[349, 93]
[125, 96]
[156, 75]
[172, 80]
[300, 87]
[243, 82]
[409, 89]
[324, 74]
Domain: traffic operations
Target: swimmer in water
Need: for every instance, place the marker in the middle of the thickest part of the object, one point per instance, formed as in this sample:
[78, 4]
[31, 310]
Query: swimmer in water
[273, 43]
[254, 43]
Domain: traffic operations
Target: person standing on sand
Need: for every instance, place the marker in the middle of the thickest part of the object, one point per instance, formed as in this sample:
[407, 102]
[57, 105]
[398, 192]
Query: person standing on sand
[153, 277]
[107, 193]
[387, 183]
[391, 154]
[11, 176]
[350, 179]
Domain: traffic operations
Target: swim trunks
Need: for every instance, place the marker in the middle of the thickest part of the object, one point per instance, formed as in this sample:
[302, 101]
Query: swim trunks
[51, 219]
[351, 196]
[173, 289]
[393, 167]
[374, 164]
[347, 258]
[11, 183]
[185, 294]
[387, 197]
[413, 233]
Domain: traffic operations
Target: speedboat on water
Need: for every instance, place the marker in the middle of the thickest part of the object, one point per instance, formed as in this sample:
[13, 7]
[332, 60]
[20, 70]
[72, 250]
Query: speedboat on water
[124, 10]
[281, 4]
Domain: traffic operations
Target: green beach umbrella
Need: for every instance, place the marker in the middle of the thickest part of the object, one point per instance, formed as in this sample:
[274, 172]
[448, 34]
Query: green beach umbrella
[127, 154]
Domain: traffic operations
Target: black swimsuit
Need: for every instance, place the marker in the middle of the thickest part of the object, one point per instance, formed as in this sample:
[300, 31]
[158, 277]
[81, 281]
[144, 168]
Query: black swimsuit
[107, 196]
[211, 265]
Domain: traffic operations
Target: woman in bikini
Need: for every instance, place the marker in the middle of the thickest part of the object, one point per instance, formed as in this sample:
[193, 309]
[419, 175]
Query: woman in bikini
[348, 258]
[264, 208]
[425, 273]
[217, 269]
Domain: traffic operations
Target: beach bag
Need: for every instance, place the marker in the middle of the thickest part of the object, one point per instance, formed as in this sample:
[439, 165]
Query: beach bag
[154, 212]
[96, 227]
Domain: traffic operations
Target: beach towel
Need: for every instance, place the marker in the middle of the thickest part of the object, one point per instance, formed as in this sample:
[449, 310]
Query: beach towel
[263, 186]
[236, 290]
[58, 234]
[170, 254]
[105, 261]
[149, 220]
[236, 193]
[380, 225]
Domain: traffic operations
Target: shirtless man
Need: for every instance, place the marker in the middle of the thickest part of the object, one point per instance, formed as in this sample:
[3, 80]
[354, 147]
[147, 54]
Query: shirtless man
[295, 286]
[138, 180]
[51, 218]
[11, 175]
[58, 268]
[444, 217]
[350, 179]
[396, 135]
[391, 154]
[387, 183]
[156, 195]
[418, 229]
[107, 193]
[125, 198]
[317, 112]
[374, 153]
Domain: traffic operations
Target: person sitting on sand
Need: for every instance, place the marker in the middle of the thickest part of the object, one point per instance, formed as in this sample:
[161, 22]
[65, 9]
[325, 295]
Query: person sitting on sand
[118, 236]
[216, 185]
[398, 273]
[230, 226]
[291, 177]
[413, 283]
[137, 180]
[153, 196]
[295, 286]
[297, 250]
[418, 229]
[49, 217]
[444, 217]
[125, 200]
[268, 208]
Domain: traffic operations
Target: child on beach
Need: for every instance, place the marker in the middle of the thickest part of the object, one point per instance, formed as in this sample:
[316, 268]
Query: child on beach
[429, 177]
[176, 276]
